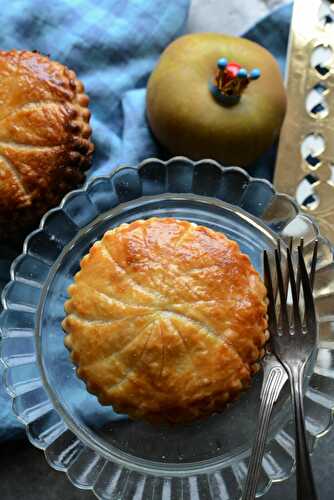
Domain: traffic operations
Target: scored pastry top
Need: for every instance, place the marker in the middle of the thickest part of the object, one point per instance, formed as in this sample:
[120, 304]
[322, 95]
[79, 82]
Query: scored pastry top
[166, 320]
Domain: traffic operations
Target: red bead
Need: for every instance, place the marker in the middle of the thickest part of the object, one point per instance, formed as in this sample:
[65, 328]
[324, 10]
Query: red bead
[232, 69]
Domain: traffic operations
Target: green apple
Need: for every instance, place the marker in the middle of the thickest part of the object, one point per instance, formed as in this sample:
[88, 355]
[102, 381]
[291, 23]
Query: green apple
[187, 119]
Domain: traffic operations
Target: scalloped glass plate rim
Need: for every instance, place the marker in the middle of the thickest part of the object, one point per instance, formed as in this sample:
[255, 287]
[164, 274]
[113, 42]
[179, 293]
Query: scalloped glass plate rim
[135, 169]
[211, 465]
[164, 164]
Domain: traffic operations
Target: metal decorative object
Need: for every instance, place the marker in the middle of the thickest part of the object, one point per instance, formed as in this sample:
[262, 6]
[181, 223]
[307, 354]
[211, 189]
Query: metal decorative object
[230, 81]
[305, 161]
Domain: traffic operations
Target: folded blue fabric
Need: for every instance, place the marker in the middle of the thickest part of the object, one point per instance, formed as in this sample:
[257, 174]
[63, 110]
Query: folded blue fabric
[273, 33]
[113, 46]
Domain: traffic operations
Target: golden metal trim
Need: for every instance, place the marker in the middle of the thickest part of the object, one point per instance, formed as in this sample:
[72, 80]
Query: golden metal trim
[308, 32]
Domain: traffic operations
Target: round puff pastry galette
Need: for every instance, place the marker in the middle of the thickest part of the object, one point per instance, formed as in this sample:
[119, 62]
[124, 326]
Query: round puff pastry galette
[44, 138]
[166, 320]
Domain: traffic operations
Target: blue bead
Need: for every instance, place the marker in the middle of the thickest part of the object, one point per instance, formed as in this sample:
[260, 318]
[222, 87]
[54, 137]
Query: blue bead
[255, 74]
[222, 63]
[242, 73]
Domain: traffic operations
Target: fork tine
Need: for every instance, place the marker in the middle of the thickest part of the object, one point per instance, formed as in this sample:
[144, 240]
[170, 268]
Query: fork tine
[279, 250]
[310, 316]
[286, 274]
[272, 322]
[289, 249]
[301, 245]
[313, 263]
[283, 307]
[295, 297]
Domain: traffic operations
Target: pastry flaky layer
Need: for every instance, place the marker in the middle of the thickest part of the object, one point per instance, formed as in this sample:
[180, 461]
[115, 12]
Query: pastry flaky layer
[166, 320]
[45, 142]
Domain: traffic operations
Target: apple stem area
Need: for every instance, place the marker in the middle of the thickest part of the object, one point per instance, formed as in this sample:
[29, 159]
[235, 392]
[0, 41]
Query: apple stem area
[230, 81]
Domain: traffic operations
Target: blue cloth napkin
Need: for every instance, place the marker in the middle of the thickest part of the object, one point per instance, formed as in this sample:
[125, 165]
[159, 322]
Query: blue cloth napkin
[113, 46]
[273, 33]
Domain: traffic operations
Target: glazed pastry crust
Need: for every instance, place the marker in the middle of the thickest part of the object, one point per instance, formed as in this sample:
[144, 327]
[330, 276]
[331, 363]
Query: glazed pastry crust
[166, 320]
[45, 142]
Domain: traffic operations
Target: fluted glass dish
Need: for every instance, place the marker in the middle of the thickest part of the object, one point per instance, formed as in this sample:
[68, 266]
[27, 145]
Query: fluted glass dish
[105, 451]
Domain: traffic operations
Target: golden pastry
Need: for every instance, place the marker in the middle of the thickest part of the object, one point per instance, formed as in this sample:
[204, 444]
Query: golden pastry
[166, 320]
[44, 138]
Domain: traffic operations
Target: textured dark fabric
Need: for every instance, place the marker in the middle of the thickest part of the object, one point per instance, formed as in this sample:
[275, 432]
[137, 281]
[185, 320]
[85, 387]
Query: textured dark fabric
[273, 33]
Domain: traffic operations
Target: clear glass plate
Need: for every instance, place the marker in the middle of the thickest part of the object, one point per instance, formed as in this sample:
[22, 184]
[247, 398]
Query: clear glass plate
[105, 451]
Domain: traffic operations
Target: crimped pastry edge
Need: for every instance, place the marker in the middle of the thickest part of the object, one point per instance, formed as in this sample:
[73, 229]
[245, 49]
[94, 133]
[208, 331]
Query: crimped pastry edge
[24, 217]
[174, 416]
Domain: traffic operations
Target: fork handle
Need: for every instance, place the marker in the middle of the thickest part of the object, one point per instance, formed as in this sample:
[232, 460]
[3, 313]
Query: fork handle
[304, 475]
[273, 383]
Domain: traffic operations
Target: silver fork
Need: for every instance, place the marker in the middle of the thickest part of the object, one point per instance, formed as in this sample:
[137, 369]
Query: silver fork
[294, 342]
[274, 378]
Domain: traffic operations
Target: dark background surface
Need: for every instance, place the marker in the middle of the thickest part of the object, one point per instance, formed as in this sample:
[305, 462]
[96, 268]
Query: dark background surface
[25, 474]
